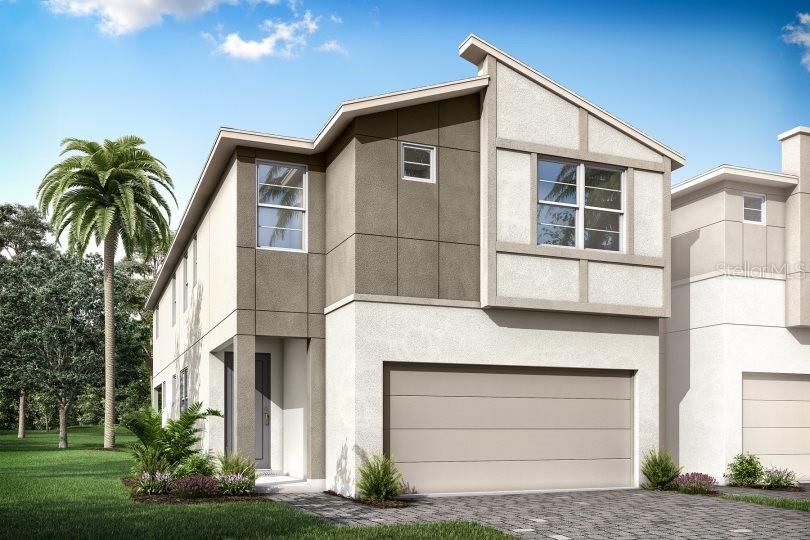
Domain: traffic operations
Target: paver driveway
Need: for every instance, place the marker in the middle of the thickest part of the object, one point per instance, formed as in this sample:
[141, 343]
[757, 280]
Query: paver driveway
[592, 514]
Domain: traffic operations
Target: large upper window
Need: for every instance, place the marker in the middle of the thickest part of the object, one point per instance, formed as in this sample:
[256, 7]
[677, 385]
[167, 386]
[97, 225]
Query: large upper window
[753, 208]
[579, 205]
[281, 196]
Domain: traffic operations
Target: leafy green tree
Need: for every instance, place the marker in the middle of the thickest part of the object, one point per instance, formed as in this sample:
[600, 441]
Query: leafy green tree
[22, 232]
[60, 341]
[108, 192]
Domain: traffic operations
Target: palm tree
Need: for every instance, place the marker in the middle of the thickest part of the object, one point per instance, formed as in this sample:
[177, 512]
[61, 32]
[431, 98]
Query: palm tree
[108, 191]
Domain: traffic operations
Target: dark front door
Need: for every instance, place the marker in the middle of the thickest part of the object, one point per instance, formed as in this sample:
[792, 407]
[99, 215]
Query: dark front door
[262, 398]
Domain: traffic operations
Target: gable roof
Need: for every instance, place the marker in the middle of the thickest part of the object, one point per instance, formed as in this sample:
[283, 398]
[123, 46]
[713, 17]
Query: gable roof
[228, 139]
[474, 49]
[733, 173]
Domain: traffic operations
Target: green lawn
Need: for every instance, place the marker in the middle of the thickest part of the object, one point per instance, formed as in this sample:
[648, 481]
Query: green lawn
[50, 493]
[779, 502]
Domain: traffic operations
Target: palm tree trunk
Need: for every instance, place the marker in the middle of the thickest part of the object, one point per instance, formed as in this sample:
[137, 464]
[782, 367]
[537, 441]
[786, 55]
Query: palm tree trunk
[21, 418]
[63, 439]
[109, 340]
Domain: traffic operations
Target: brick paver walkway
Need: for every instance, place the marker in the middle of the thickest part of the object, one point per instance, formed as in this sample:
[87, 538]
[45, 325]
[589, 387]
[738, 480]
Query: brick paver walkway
[619, 514]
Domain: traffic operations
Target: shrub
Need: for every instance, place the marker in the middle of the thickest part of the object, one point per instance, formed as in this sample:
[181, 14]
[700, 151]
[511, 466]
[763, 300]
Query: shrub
[379, 479]
[195, 486]
[237, 464]
[235, 484]
[659, 468]
[745, 470]
[695, 483]
[177, 439]
[156, 483]
[197, 463]
[149, 459]
[778, 478]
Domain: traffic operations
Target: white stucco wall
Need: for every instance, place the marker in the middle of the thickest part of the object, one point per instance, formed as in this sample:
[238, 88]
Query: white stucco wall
[648, 218]
[362, 335]
[528, 112]
[543, 278]
[622, 284]
[721, 327]
[605, 139]
[296, 428]
[513, 196]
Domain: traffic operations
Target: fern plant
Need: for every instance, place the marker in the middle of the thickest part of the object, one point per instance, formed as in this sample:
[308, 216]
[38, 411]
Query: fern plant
[379, 479]
[232, 464]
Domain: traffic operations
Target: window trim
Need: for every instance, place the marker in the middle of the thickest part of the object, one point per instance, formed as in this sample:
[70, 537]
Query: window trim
[580, 207]
[304, 206]
[183, 390]
[432, 167]
[760, 196]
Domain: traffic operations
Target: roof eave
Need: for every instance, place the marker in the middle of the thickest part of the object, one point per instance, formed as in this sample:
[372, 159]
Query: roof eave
[733, 173]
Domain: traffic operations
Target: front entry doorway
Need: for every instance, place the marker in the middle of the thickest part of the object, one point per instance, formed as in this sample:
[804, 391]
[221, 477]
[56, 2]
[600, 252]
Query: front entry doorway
[262, 398]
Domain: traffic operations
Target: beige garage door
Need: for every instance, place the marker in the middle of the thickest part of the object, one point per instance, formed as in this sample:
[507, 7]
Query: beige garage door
[776, 420]
[466, 429]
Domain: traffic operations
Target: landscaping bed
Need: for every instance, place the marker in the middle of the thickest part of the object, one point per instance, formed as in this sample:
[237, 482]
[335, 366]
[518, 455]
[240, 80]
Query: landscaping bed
[391, 503]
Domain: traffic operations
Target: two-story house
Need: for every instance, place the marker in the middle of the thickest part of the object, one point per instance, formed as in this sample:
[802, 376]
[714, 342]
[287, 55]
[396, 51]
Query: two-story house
[737, 361]
[468, 276]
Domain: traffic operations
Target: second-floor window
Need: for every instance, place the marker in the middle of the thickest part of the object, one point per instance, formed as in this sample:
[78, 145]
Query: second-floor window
[185, 282]
[183, 389]
[753, 208]
[579, 205]
[418, 162]
[174, 300]
[281, 212]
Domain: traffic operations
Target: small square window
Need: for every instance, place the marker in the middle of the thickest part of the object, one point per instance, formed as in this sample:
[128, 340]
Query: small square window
[753, 208]
[418, 163]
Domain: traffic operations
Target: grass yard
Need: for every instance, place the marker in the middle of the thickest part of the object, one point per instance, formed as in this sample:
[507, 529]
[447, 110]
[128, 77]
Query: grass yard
[50, 493]
[779, 502]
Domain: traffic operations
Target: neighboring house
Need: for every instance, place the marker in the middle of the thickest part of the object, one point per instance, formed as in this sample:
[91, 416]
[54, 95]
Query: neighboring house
[469, 276]
[737, 360]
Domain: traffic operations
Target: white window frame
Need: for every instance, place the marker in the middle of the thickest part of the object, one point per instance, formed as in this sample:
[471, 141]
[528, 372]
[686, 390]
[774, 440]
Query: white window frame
[760, 196]
[580, 207]
[432, 168]
[185, 282]
[304, 209]
[183, 390]
[174, 300]
[156, 318]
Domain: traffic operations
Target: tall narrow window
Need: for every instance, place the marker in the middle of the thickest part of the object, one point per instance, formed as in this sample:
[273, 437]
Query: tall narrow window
[158, 391]
[174, 393]
[579, 205]
[185, 282]
[157, 322]
[183, 389]
[194, 259]
[174, 300]
[281, 196]
[753, 208]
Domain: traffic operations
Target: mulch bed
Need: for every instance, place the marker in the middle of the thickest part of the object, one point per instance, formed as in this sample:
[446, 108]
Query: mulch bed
[395, 503]
[172, 499]
[168, 498]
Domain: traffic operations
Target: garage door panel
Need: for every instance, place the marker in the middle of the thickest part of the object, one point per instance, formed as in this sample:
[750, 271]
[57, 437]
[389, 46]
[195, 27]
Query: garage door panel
[508, 444]
[800, 464]
[777, 440]
[776, 413]
[486, 383]
[440, 477]
[513, 413]
[776, 387]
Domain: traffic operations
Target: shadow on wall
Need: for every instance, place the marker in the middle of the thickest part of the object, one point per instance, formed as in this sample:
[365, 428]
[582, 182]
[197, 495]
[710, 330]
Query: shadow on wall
[676, 369]
[573, 322]
[190, 357]
[802, 335]
[343, 473]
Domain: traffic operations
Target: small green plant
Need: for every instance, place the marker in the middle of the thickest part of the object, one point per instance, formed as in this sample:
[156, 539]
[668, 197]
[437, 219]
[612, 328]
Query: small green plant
[156, 483]
[695, 483]
[235, 484]
[745, 470]
[149, 459]
[237, 464]
[659, 468]
[778, 478]
[379, 479]
[197, 463]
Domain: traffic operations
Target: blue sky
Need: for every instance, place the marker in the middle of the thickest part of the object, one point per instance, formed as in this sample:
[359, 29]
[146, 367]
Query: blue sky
[716, 81]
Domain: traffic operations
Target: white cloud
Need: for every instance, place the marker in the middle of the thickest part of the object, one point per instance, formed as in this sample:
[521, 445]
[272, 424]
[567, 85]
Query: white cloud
[335, 18]
[799, 34]
[332, 46]
[284, 39]
[117, 17]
